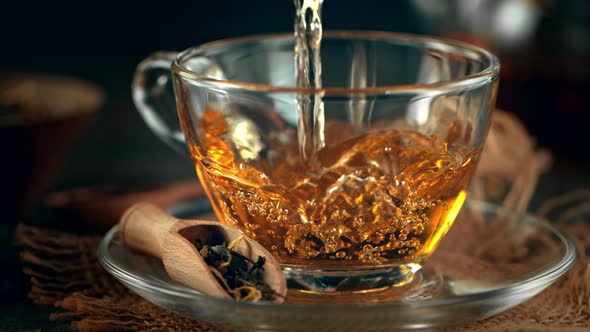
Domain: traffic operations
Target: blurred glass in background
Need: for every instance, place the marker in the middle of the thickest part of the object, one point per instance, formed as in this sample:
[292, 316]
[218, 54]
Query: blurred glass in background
[544, 47]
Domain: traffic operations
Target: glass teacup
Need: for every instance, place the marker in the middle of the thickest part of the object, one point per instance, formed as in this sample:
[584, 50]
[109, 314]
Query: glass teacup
[352, 198]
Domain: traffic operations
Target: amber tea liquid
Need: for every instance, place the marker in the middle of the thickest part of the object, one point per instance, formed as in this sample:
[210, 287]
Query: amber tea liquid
[382, 197]
[320, 195]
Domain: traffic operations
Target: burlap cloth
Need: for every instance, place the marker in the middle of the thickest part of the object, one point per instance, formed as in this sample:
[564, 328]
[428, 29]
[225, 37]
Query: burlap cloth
[64, 272]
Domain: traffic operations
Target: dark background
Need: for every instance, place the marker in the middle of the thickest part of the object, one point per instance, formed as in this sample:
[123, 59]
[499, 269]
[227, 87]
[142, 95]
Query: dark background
[545, 82]
[103, 42]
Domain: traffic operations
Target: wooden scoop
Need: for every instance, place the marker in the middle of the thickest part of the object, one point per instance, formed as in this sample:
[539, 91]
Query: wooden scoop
[148, 229]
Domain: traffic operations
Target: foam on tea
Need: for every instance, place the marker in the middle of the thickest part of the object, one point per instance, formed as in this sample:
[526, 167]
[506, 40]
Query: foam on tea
[381, 197]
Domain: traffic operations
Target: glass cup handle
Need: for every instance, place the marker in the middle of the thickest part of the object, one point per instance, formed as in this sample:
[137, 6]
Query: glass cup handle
[153, 96]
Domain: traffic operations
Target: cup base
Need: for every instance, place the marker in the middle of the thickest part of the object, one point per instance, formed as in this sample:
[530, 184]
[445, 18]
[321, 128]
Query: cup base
[405, 281]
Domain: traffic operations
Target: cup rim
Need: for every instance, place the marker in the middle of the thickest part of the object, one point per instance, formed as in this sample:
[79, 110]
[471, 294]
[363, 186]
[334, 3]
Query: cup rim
[485, 75]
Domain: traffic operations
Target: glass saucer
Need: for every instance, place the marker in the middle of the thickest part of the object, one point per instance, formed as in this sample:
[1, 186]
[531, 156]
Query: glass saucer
[490, 261]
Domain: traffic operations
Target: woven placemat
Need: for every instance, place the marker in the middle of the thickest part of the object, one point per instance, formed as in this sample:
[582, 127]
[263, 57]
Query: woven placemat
[65, 272]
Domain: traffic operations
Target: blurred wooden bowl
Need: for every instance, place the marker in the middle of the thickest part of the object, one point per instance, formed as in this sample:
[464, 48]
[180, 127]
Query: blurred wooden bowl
[40, 119]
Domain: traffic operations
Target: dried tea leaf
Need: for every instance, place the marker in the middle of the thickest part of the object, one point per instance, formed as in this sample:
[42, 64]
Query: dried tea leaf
[240, 276]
